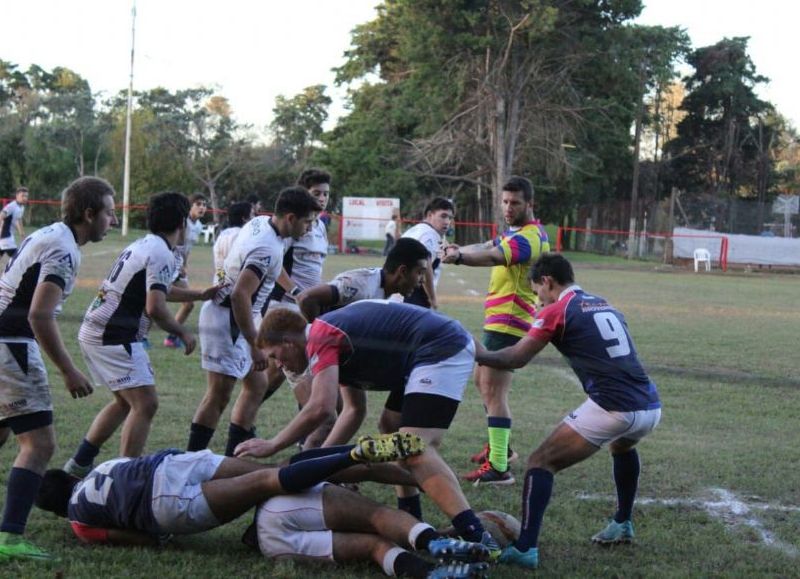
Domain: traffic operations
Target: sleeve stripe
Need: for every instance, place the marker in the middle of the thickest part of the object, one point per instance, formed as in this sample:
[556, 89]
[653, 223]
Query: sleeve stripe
[56, 279]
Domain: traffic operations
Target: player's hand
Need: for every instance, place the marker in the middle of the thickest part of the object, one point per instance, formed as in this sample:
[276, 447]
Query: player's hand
[480, 349]
[189, 342]
[451, 253]
[259, 359]
[77, 384]
[210, 292]
[255, 447]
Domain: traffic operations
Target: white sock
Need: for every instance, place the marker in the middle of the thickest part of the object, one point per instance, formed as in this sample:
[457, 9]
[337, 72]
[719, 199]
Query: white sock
[415, 532]
[389, 559]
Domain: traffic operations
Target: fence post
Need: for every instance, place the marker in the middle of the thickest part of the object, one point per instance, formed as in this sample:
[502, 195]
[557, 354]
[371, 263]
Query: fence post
[558, 239]
[588, 236]
[341, 233]
[723, 254]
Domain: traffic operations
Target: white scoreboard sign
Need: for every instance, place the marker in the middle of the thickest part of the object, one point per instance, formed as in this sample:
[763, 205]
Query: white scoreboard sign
[366, 217]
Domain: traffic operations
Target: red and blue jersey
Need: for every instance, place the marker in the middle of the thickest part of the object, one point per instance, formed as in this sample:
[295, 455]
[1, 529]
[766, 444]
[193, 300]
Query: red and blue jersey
[376, 343]
[594, 337]
[118, 494]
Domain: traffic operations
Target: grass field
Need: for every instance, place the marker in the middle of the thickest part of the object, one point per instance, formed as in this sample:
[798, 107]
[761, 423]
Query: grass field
[720, 485]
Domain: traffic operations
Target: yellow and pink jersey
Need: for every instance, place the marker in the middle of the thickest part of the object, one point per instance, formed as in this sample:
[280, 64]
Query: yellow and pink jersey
[510, 303]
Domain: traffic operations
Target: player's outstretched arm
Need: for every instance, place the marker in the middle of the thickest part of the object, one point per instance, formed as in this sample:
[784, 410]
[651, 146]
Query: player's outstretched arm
[354, 410]
[185, 294]
[515, 356]
[481, 256]
[321, 406]
[41, 317]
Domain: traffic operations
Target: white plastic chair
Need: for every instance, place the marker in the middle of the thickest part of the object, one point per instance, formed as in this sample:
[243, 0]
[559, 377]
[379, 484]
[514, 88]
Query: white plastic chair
[209, 232]
[702, 255]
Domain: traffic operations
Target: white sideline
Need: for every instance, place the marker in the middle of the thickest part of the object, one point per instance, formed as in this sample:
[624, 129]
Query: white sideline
[730, 509]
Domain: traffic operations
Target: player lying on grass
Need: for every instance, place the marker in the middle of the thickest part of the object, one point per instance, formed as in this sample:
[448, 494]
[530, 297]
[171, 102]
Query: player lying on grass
[622, 408]
[422, 358]
[331, 523]
[142, 501]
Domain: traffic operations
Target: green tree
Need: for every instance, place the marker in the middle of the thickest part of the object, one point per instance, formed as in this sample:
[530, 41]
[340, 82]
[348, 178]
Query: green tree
[198, 127]
[297, 123]
[717, 144]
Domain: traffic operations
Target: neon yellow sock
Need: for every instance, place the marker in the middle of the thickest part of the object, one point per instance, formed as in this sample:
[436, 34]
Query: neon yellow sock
[499, 434]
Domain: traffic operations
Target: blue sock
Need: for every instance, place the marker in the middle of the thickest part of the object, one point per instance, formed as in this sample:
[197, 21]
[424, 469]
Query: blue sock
[21, 490]
[468, 526]
[237, 434]
[199, 437]
[86, 453]
[411, 505]
[305, 474]
[535, 497]
[319, 452]
[626, 477]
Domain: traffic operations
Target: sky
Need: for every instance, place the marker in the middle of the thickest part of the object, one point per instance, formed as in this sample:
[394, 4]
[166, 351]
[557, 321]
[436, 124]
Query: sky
[251, 51]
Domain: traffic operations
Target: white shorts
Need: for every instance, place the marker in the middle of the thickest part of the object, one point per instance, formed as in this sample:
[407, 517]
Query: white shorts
[294, 526]
[119, 367]
[224, 350]
[179, 506]
[447, 378]
[24, 388]
[599, 426]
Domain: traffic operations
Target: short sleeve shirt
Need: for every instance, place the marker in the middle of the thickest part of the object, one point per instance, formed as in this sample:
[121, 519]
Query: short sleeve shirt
[50, 254]
[117, 314]
[594, 338]
[430, 238]
[258, 248]
[12, 213]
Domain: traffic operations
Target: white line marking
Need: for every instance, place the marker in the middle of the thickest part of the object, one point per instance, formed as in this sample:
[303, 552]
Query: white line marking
[472, 292]
[730, 509]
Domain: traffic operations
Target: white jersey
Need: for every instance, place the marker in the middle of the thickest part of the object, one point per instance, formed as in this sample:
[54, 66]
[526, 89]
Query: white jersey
[117, 315]
[259, 248]
[222, 246]
[430, 238]
[193, 231]
[12, 213]
[49, 254]
[308, 256]
[357, 284]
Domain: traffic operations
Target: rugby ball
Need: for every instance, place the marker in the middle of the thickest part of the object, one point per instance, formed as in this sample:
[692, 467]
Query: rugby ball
[502, 526]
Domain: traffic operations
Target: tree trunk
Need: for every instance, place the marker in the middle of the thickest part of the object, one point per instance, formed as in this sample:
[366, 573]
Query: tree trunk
[637, 138]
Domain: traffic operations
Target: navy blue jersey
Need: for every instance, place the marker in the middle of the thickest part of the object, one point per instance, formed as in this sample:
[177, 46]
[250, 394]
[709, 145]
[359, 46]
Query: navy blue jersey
[118, 494]
[594, 337]
[376, 343]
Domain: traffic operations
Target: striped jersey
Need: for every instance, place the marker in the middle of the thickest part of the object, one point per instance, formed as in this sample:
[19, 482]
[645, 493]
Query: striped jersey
[509, 306]
[12, 213]
[49, 254]
[117, 314]
[258, 248]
